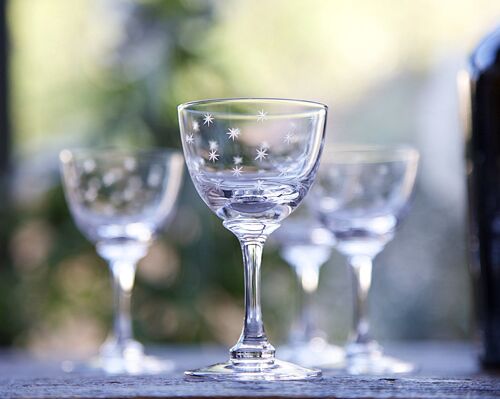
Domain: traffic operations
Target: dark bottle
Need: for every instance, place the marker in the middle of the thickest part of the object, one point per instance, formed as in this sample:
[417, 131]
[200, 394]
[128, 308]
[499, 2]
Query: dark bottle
[483, 170]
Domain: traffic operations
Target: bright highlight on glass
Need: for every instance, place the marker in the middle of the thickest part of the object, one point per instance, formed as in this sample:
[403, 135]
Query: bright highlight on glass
[252, 161]
[361, 195]
[119, 200]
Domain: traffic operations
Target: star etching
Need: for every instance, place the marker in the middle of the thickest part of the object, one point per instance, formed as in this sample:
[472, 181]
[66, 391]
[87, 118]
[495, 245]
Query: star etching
[196, 126]
[261, 116]
[260, 185]
[261, 154]
[212, 144]
[233, 133]
[284, 171]
[237, 160]
[213, 156]
[218, 183]
[237, 170]
[189, 138]
[208, 119]
[288, 137]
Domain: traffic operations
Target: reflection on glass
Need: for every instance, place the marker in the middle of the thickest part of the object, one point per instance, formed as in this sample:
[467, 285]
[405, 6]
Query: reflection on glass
[252, 161]
[119, 200]
[361, 195]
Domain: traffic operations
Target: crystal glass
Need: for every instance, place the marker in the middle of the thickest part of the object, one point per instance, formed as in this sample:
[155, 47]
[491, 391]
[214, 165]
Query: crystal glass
[361, 195]
[306, 245]
[119, 200]
[252, 161]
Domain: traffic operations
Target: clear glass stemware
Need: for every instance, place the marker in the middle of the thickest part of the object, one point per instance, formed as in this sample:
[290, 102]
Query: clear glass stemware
[306, 246]
[252, 161]
[361, 195]
[119, 200]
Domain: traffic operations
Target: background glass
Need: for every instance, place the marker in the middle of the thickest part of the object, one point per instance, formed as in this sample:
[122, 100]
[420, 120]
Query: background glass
[252, 161]
[119, 201]
[361, 196]
[306, 246]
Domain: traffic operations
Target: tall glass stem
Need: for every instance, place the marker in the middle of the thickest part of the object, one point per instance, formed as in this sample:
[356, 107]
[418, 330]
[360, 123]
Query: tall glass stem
[305, 330]
[122, 259]
[361, 266]
[252, 349]
[123, 274]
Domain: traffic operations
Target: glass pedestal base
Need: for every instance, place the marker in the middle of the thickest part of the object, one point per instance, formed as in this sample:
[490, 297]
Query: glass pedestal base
[145, 365]
[370, 360]
[122, 358]
[278, 371]
[315, 353]
[137, 366]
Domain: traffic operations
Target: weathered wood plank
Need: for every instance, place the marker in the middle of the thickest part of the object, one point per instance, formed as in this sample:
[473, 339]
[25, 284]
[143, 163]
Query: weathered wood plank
[447, 371]
[177, 387]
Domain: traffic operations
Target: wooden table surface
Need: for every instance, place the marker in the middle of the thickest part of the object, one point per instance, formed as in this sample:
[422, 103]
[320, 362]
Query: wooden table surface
[447, 370]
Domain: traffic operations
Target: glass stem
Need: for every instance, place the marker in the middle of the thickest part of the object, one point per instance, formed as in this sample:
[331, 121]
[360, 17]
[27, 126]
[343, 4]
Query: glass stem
[306, 329]
[253, 348]
[361, 266]
[123, 274]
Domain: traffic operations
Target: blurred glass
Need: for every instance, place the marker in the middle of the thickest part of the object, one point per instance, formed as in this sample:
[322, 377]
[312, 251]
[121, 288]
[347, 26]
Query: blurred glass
[119, 201]
[306, 246]
[361, 196]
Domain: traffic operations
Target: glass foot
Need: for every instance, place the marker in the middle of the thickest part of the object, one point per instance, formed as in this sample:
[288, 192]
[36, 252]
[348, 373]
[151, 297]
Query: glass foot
[279, 370]
[315, 353]
[121, 358]
[115, 366]
[369, 359]
[140, 365]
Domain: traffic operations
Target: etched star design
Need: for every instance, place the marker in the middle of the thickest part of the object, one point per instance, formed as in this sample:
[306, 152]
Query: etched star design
[261, 154]
[284, 172]
[288, 137]
[189, 138]
[237, 170]
[260, 185]
[196, 126]
[218, 184]
[208, 119]
[198, 174]
[261, 116]
[213, 156]
[233, 133]
[237, 160]
[212, 144]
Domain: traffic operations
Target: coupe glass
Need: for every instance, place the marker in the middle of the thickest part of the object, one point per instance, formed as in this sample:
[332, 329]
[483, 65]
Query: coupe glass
[119, 200]
[361, 195]
[252, 162]
[306, 245]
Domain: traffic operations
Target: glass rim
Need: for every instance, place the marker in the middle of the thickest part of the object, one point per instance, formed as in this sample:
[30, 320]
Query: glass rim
[370, 153]
[67, 154]
[316, 106]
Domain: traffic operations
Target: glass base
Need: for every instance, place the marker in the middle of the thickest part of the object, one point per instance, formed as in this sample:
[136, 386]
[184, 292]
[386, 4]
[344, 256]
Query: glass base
[145, 366]
[369, 359]
[122, 358]
[137, 366]
[315, 353]
[278, 371]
